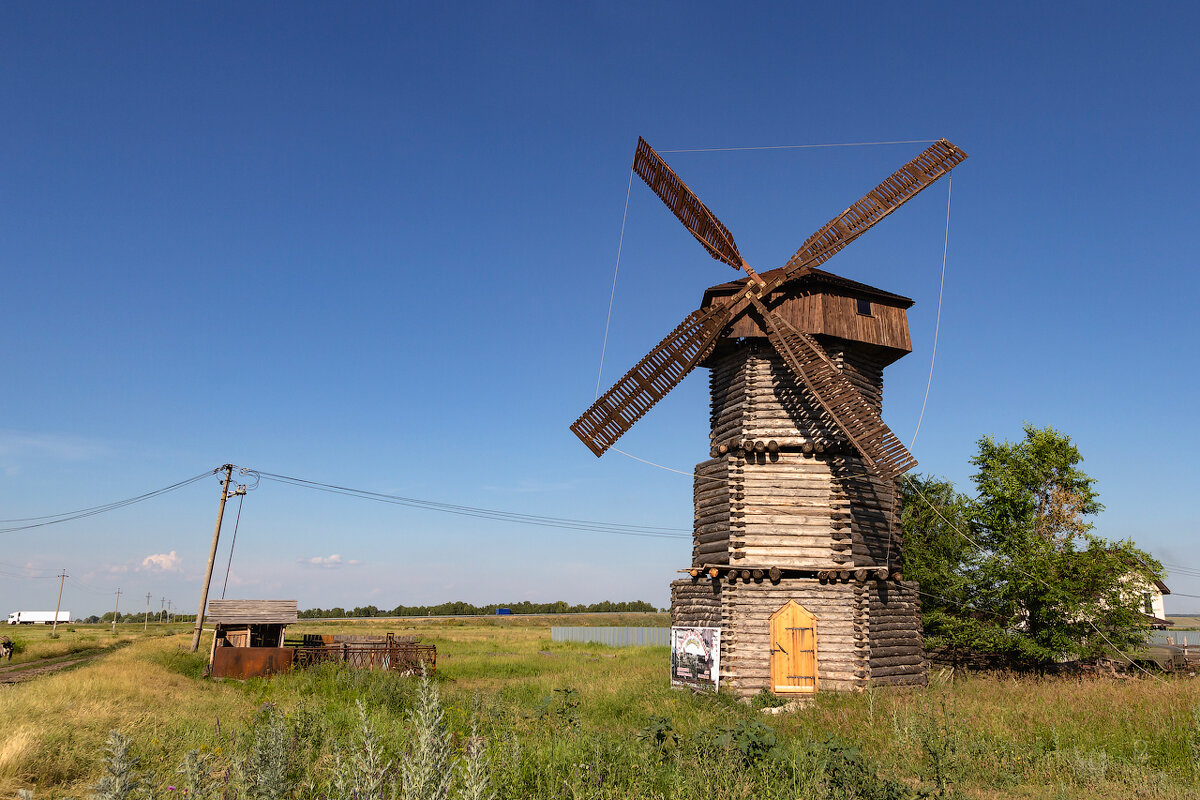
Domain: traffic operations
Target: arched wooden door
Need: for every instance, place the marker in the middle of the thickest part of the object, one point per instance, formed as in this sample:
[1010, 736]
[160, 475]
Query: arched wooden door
[793, 649]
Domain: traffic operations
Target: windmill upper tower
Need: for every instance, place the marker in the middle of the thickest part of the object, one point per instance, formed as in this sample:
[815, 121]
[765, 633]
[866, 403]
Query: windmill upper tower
[796, 556]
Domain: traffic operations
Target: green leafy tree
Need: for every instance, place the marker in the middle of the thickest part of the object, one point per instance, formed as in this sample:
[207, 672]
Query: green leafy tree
[1017, 570]
[942, 560]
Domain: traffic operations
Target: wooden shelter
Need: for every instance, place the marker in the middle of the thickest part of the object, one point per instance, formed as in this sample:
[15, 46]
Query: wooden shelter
[790, 526]
[248, 637]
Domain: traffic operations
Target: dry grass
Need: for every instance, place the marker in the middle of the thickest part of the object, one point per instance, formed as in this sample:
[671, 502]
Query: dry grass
[995, 736]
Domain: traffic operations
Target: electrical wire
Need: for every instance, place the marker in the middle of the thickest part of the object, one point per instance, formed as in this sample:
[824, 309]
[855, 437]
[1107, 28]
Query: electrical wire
[68, 516]
[647, 531]
[233, 544]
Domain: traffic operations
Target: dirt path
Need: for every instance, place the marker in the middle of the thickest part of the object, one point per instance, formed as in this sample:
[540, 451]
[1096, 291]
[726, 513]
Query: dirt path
[28, 671]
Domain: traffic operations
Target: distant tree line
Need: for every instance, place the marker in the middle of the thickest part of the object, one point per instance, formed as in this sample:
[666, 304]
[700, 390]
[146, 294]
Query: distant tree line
[459, 608]
[155, 616]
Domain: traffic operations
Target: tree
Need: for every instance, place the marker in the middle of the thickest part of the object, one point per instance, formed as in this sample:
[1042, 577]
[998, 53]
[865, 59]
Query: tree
[936, 555]
[1017, 570]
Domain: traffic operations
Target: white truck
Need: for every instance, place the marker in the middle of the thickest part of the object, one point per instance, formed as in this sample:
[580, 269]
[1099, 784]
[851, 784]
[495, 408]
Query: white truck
[37, 617]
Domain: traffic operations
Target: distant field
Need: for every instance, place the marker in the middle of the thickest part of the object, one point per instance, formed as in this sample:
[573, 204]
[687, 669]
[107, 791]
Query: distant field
[989, 737]
[1191, 622]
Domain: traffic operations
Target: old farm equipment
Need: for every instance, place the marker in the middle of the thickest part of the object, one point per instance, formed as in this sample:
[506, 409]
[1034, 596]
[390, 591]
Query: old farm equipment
[248, 642]
[403, 654]
[796, 556]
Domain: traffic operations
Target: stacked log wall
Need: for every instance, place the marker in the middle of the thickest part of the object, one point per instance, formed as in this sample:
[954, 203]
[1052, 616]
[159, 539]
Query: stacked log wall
[696, 603]
[717, 509]
[842, 632]
[897, 653]
[790, 518]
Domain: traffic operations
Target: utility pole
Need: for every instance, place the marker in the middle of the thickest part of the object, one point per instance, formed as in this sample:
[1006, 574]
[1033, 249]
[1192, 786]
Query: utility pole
[116, 614]
[212, 555]
[162, 609]
[58, 604]
[146, 621]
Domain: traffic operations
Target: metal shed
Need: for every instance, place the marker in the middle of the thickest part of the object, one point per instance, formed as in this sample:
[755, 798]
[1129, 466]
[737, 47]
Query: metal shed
[248, 637]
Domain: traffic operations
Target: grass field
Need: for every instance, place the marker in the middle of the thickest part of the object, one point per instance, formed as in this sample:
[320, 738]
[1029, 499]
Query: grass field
[581, 721]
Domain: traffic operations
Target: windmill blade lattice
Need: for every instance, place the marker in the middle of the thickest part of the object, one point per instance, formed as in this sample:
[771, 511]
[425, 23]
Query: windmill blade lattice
[903, 185]
[684, 204]
[657, 373]
[886, 456]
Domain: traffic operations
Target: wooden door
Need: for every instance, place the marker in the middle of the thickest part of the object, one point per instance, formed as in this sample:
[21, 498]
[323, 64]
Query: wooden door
[793, 650]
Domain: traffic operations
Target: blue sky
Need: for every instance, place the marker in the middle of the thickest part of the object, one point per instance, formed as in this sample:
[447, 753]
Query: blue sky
[373, 245]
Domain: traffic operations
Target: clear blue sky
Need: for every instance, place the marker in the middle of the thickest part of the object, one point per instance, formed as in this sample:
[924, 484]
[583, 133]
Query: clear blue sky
[372, 244]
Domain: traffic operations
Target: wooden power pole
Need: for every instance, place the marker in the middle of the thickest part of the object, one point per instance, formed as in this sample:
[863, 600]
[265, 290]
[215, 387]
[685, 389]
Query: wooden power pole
[117, 610]
[58, 604]
[212, 555]
[146, 621]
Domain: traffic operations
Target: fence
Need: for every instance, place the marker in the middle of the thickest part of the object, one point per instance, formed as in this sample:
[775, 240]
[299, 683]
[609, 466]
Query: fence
[401, 654]
[613, 636]
[1175, 638]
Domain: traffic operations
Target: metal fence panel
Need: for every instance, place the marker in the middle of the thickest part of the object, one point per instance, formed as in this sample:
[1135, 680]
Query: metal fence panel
[613, 636]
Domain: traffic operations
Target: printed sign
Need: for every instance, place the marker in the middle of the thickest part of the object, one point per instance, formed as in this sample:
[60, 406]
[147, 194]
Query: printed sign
[695, 657]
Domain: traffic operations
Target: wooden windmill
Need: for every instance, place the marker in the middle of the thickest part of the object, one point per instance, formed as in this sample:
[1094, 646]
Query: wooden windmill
[796, 556]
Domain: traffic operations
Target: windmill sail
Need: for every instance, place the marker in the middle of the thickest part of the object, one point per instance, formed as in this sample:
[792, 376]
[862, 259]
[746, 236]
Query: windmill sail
[684, 204]
[886, 457]
[903, 185]
[657, 373]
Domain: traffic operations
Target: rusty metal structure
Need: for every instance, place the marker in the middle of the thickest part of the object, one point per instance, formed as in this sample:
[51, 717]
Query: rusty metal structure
[403, 654]
[249, 642]
[797, 505]
[248, 637]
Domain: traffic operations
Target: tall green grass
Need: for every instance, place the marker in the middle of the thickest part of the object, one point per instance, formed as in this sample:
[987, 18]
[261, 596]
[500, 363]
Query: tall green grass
[557, 720]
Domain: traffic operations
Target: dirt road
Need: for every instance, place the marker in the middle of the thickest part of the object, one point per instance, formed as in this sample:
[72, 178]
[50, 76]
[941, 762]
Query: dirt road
[28, 671]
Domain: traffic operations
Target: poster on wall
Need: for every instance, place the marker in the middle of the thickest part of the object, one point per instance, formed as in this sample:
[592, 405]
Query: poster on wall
[695, 657]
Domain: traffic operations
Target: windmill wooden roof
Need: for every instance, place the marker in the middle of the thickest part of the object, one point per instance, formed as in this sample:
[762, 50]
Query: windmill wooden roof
[252, 612]
[814, 278]
[822, 303]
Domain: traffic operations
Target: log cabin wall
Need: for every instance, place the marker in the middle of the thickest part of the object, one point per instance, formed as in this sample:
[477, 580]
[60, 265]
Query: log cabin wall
[785, 496]
[841, 632]
[696, 603]
[841, 611]
[868, 633]
[714, 509]
[809, 503]
[897, 646]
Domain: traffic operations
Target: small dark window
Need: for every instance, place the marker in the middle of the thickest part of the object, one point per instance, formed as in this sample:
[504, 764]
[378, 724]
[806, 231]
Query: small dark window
[864, 307]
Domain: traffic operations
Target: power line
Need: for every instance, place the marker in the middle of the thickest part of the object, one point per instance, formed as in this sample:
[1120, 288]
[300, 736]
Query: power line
[68, 516]
[620, 529]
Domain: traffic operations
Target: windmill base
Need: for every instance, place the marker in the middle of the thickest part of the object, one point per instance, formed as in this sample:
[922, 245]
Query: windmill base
[866, 633]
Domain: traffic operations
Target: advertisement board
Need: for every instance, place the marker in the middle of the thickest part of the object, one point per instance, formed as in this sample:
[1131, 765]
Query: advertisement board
[695, 657]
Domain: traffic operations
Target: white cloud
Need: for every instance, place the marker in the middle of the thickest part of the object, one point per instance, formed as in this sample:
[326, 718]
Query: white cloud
[162, 562]
[328, 562]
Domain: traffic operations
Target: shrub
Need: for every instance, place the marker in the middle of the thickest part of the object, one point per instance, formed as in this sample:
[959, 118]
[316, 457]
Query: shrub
[121, 779]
